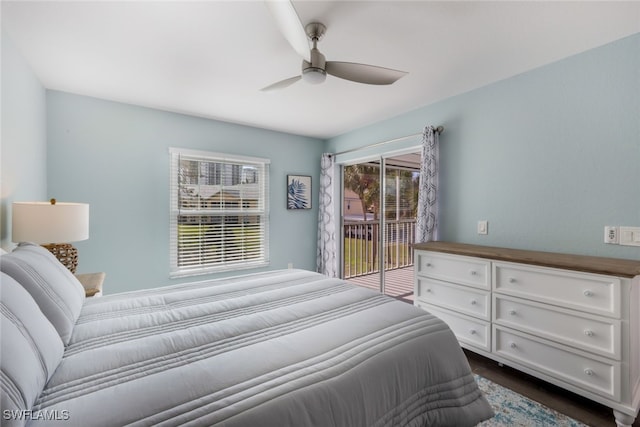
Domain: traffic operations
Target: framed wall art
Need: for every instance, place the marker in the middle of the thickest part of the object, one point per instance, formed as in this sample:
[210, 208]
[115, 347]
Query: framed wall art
[298, 192]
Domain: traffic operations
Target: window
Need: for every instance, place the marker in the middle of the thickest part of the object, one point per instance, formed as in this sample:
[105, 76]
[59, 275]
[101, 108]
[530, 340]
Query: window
[219, 212]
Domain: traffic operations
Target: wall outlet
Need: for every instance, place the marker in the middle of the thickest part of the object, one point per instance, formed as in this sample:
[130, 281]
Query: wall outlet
[290, 265]
[611, 234]
[483, 227]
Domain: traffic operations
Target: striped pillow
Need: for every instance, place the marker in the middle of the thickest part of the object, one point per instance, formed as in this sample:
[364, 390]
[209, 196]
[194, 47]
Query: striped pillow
[57, 292]
[30, 349]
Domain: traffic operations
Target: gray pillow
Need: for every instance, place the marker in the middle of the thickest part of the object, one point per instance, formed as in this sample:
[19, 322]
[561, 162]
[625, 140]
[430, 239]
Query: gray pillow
[57, 292]
[30, 349]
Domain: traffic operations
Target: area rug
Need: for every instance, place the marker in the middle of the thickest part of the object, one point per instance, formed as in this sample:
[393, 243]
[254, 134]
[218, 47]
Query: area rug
[513, 409]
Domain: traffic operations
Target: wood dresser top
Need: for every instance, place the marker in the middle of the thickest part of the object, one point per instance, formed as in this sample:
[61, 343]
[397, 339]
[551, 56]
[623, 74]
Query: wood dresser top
[588, 264]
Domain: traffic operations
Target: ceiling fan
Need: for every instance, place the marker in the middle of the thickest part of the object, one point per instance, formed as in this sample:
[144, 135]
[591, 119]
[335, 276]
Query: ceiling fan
[314, 66]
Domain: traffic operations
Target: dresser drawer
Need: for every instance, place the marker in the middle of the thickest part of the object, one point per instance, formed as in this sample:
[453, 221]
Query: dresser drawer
[451, 268]
[593, 373]
[596, 334]
[468, 330]
[474, 302]
[591, 293]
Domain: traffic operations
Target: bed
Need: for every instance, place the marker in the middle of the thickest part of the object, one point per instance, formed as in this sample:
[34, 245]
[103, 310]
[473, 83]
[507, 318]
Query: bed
[281, 348]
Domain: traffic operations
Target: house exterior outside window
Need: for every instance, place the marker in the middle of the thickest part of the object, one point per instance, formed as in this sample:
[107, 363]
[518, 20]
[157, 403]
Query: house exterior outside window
[219, 212]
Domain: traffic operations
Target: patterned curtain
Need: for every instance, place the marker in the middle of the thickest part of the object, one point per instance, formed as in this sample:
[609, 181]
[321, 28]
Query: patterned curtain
[326, 260]
[427, 221]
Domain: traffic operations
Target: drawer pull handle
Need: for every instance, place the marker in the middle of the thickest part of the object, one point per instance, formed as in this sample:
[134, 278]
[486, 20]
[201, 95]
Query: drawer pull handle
[429, 264]
[473, 302]
[588, 332]
[428, 290]
[588, 293]
[473, 272]
[589, 372]
[472, 331]
[512, 312]
[512, 280]
[512, 345]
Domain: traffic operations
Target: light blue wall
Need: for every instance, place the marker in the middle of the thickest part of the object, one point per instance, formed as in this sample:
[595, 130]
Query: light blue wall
[548, 157]
[115, 157]
[23, 163]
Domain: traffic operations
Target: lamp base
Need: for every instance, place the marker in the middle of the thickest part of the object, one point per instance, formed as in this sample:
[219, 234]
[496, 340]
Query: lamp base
[66, 253]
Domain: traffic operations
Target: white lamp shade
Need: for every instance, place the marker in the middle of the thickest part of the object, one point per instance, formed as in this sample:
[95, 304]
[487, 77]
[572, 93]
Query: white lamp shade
[43, 222]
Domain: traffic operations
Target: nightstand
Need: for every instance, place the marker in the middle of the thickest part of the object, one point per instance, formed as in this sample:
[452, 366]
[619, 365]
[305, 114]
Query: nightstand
[92, 283]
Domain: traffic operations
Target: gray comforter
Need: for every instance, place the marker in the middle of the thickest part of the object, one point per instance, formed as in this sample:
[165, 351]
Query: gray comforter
[284, 348]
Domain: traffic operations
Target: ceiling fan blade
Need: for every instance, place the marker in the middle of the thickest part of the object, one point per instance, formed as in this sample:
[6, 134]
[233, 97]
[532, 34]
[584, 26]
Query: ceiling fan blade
[281, 84]
[290, 26]
[363, 73]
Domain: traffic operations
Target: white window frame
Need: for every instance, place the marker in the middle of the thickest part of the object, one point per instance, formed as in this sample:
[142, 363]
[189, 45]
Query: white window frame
[261, 211]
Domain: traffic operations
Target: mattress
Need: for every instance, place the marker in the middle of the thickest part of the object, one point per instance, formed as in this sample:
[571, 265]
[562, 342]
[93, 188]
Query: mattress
[282, 348]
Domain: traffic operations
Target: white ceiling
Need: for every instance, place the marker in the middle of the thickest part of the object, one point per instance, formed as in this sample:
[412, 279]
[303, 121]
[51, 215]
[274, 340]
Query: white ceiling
[211, 58]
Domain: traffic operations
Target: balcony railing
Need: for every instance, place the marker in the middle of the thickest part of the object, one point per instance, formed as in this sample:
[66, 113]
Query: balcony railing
[361, 256]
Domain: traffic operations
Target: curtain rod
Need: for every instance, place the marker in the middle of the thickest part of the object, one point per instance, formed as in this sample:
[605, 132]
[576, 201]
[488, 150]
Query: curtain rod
[439, 129]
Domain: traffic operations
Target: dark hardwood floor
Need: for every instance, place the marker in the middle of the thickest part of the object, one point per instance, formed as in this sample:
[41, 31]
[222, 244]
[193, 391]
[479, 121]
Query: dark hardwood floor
[577, 407]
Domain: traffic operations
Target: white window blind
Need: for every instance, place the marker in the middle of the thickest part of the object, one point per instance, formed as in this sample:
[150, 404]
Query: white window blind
[219, 212]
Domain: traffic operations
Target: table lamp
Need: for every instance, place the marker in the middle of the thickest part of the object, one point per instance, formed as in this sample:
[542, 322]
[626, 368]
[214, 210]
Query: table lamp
[50, 222]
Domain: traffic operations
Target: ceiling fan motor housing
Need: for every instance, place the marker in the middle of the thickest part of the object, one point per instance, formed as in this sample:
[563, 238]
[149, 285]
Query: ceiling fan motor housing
[313, 72]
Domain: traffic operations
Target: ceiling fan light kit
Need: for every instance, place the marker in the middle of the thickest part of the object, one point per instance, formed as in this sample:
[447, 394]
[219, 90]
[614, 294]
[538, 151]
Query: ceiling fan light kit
[314, 75]
[314, 66]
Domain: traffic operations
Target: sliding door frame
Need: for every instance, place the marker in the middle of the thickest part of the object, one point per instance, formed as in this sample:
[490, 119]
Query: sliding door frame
[381, 158]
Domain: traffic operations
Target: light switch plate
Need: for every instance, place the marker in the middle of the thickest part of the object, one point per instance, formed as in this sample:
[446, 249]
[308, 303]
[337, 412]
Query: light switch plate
[483, 227]
[629, 236]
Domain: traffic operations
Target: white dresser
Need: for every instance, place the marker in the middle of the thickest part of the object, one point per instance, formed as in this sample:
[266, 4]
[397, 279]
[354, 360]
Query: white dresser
[571, 320]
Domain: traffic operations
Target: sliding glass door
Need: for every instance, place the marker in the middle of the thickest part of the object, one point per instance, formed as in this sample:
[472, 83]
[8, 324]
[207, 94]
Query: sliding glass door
[378, 223]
